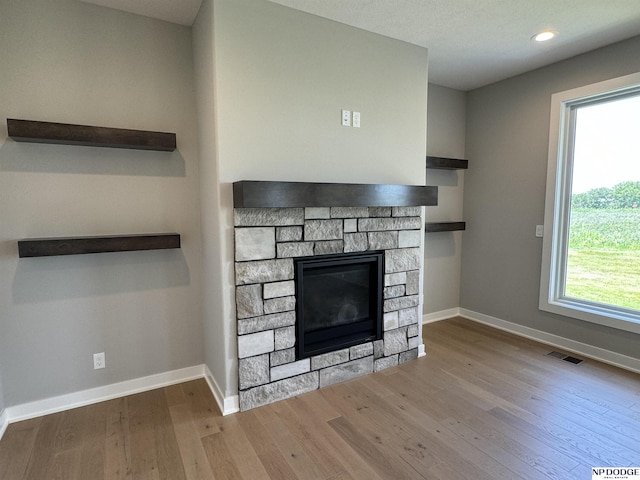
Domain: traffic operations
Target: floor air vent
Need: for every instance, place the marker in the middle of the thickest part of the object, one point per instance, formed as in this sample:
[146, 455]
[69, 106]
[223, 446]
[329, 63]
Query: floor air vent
[573, 360]
[566, 358]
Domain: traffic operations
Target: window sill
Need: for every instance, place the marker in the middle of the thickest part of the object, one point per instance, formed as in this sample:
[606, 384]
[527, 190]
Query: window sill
[608, 316]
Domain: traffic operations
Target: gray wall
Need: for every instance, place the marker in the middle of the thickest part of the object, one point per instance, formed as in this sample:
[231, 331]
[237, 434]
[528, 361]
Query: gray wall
[68, 61]
[280, 79]
[446, 119]
[219, 331]
[507, 142]
[1, 396]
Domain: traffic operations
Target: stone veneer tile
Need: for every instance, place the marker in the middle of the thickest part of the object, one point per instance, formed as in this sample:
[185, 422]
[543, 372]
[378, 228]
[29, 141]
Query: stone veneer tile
[255, 243]
[350, 225]
[378, 349]
[280, 304]
[406, 211]
[408, 316]
[290, 369]
[413, 282]
[390, 320]
[263, 271]
[328, 246]
[328, 359]
[266, 322]
[317, 213]
[355, 242]
[413, 342]
[295, 249]
[271, 392]
[408, 355]
[288, 234]
[349, 212]
[267, 217]
[253, 371]
[278, 289]
[393, 291]
[280, 357]
[409, 238]
[285, 338]
[395, 279]
[402, 259]
[379, 211]
[362, 350]
[383, 240]
[400, 303]
[256, 343]
[385, 362]
[395, 341]
[382, 224]
[249, 301]
[412, 331]
[346, 371]
[323, 230]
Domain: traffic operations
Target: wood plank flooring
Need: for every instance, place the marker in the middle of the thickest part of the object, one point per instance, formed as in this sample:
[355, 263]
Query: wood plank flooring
[483, 404]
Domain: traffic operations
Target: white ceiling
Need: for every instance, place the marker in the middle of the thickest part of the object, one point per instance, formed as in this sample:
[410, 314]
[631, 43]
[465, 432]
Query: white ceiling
[471, 42]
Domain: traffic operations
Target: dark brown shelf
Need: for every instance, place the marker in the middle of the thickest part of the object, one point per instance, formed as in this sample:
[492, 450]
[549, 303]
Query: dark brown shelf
[264, 194]
[45, 247]
[447, 163]
[69, 134]
[434, 227]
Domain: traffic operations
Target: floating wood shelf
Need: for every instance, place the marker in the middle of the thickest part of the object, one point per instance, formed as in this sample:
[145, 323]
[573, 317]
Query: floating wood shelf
[45, 247]
[447, 163]
[68, 134]
[264, 194]
[434, 227]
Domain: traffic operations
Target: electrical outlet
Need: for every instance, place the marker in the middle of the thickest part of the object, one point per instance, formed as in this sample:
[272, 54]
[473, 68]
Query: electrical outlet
[346, 118]
[99, 361]
[539, 230]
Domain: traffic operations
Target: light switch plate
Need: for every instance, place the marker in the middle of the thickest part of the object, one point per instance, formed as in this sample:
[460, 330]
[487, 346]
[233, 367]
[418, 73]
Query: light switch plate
[356, 119]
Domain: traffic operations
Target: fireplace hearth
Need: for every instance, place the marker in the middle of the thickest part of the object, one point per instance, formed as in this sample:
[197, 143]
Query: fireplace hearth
[347, 335]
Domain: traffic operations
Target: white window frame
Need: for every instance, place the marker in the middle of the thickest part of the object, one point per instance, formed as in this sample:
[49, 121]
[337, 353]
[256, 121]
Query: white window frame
[558, 203]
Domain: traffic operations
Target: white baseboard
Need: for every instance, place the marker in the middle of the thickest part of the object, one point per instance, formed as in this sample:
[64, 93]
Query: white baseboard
[4, 422]
[441, 315]
[99, 394]
[227, 405]
[60, 403]
[596, 353]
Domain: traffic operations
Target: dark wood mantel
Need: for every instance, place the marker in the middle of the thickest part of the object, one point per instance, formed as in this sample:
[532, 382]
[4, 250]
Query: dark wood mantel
[265, 194]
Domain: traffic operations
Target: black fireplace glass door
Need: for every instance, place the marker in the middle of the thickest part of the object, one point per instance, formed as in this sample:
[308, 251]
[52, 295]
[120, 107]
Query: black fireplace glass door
[335, 296]
[339, 301]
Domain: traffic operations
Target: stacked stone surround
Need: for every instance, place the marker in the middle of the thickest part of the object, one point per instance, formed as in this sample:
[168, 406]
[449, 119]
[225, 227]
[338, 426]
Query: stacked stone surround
[267, 240]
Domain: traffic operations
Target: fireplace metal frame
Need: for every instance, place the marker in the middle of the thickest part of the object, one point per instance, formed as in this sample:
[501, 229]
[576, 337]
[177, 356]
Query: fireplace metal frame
[352, 334]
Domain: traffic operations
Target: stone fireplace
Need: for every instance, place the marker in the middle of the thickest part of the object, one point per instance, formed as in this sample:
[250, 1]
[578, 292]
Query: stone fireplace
[268, 241]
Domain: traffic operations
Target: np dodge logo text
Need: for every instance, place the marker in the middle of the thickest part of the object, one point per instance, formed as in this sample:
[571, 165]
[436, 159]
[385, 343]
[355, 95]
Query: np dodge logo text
[622, 473]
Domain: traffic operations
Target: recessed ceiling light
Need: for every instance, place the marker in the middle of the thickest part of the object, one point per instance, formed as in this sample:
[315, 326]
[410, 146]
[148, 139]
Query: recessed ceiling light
[543, 36]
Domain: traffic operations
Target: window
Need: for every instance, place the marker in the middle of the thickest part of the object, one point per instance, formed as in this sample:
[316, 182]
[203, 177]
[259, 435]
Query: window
[591, 248]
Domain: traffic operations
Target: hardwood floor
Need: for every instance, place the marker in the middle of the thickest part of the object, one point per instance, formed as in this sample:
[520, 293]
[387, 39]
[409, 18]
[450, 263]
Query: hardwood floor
[482, 404]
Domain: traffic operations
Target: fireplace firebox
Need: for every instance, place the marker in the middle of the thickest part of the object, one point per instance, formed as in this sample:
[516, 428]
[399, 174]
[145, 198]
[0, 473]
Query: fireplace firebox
[339, 301]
